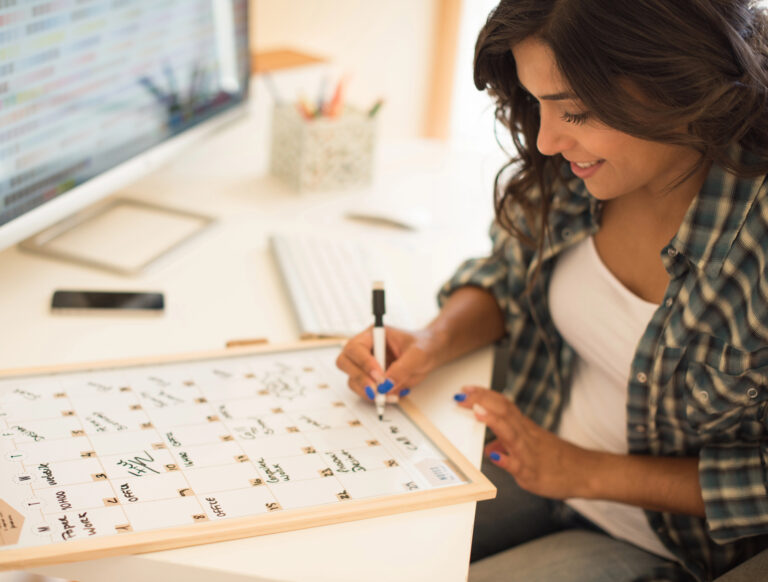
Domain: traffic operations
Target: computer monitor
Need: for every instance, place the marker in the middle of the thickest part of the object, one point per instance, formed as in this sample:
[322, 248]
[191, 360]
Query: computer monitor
[94, 94]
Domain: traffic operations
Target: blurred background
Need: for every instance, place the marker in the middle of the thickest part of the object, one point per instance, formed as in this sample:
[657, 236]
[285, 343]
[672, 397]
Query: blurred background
[415, 54]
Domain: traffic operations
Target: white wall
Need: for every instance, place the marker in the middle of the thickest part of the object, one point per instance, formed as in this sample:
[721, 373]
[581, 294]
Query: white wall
[386, 46]
[472, 110]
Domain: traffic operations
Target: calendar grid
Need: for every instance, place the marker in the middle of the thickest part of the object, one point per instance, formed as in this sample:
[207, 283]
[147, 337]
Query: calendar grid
[116, 452]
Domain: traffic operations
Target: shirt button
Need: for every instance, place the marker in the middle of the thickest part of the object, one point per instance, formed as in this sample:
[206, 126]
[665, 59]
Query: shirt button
[566, 233]
[669, 301]
[641, 377]
[703, 395]
[640, 428]
[672, 251]
[752, 392]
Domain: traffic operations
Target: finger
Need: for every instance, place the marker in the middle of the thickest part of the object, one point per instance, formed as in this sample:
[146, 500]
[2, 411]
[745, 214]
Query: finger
[490, 400]
[502, 426]
[357, 379]
[493, 446]
[356, 358]
[393, 397]
[509, 463]
[404, 372]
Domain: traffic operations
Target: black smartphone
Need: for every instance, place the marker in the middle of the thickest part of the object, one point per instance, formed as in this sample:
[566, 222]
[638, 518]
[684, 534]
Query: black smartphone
[140, 302]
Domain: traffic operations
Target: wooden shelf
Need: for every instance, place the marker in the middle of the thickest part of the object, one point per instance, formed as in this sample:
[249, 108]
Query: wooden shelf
[275, 60]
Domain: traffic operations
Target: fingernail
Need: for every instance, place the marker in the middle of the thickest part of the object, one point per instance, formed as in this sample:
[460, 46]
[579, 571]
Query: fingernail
[460, 397]
[385, 387]
[369, 392]
[405, 392]
[378, 376]
[479, 410]
[495, 456]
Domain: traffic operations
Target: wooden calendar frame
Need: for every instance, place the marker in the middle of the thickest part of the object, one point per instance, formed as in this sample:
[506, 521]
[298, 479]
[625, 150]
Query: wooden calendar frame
[476, 488]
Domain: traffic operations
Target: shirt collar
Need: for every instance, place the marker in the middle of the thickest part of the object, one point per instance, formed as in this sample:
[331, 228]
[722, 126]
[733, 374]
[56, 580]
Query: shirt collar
[715, 217]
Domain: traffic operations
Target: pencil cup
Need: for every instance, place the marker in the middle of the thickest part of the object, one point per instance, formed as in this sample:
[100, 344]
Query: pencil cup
[322, 153]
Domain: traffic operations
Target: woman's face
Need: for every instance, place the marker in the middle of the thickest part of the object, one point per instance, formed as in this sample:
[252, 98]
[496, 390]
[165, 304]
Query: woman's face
[610, 162]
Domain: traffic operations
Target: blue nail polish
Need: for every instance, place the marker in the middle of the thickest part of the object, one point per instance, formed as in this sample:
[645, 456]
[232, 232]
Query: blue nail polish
[460, 397]
[405, 392]
[385, 386]
[495, 456]
[369, 392]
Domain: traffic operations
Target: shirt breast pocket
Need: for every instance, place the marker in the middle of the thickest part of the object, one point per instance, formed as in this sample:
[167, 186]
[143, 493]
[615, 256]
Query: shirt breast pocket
[726, 392]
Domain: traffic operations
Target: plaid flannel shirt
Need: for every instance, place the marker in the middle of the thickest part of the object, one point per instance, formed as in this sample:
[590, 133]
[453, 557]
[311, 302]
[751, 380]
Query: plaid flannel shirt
[698, 385]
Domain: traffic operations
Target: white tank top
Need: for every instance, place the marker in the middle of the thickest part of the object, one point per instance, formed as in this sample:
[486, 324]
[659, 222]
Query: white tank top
[603, 321]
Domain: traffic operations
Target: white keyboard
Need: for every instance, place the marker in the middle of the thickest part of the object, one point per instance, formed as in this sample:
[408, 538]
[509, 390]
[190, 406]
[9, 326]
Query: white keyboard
[330, 282]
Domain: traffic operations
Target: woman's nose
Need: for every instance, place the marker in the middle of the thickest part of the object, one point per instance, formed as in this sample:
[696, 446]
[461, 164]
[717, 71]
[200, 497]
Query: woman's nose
[553, 137]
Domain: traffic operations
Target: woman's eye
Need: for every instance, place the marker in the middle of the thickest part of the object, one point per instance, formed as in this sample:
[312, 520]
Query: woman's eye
[575, 118]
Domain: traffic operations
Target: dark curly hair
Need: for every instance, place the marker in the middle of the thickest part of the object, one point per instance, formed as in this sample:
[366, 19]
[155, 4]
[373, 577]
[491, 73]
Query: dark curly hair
[643, 67]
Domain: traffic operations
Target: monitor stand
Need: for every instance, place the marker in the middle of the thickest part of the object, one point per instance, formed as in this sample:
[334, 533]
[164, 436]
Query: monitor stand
[120, 235]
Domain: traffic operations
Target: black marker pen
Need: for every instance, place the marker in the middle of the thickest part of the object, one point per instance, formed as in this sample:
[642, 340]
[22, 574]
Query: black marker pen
[379, 340]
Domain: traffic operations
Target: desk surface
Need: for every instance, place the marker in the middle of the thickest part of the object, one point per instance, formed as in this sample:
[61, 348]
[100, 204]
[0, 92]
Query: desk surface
[224, 285]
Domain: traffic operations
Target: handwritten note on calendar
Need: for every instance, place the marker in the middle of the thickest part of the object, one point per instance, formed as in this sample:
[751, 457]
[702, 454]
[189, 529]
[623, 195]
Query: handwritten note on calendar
[92, 459]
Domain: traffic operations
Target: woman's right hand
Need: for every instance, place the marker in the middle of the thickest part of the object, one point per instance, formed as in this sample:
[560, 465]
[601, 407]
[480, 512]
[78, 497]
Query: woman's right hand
[410, 357]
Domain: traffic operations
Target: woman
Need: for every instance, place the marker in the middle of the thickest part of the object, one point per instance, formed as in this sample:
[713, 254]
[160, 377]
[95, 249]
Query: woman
[629, 274]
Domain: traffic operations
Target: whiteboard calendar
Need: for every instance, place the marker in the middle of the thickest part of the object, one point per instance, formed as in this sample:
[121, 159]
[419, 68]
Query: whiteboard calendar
[125, 458]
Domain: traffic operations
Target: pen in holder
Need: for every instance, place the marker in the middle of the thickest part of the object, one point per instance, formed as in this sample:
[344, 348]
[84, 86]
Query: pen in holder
[322, 153]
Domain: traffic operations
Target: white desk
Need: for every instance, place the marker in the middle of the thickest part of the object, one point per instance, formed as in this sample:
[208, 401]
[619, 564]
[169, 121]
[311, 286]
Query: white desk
[223, 285]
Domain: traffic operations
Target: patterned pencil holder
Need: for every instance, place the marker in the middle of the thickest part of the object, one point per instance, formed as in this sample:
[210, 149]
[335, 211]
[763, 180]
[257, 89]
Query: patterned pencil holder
[322, 153]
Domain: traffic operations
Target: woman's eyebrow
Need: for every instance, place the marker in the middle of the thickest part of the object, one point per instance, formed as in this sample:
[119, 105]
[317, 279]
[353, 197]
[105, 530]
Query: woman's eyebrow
[561, 96]
[564, 95]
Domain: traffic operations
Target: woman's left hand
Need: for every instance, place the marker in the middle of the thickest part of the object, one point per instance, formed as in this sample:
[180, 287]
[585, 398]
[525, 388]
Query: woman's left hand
[539, 460]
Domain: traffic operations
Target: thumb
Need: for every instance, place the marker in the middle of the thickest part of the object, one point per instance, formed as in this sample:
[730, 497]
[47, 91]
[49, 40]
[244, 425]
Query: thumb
[403, 372]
